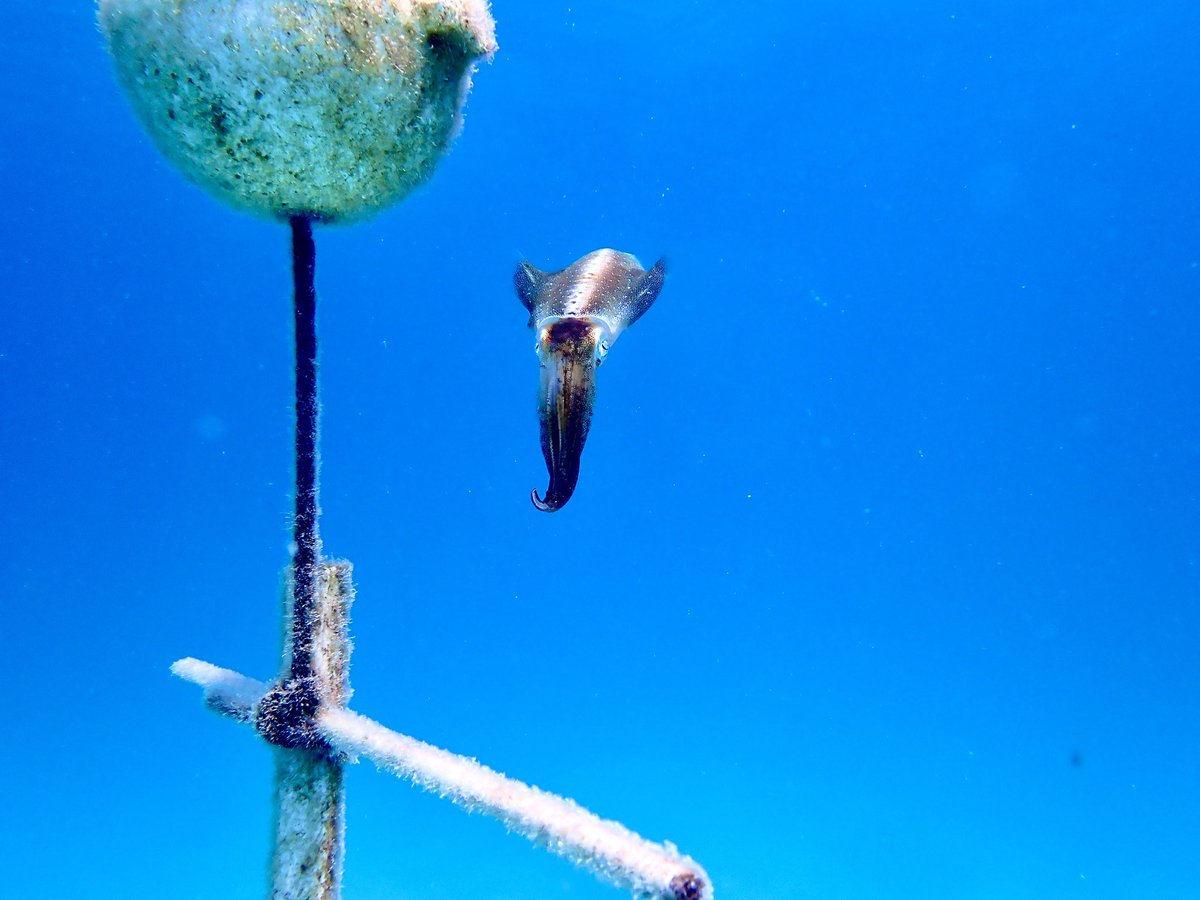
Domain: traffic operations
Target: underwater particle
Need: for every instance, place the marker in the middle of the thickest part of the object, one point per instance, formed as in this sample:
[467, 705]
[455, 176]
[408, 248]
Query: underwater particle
[329, 110]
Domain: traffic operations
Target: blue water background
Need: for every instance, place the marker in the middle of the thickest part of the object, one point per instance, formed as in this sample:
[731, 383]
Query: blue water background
[882, 576]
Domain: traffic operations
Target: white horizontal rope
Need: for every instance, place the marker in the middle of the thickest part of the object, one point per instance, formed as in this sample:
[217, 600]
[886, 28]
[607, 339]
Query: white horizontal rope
[225, 690]
[606, 848]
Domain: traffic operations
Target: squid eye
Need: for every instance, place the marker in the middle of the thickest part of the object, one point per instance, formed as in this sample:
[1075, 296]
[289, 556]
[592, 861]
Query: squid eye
[601, 352]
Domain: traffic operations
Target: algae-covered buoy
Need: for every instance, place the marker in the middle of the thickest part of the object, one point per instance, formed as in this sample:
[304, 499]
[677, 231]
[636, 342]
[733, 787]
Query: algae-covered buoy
[330, 109]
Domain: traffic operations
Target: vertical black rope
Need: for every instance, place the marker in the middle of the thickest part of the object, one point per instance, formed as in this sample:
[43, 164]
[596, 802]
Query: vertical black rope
[305, 534]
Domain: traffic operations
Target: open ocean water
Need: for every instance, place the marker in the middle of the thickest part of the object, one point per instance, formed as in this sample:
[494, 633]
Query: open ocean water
[882, 577]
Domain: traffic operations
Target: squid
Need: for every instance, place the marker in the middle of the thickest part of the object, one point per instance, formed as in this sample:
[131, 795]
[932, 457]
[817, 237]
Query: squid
[577, 314]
